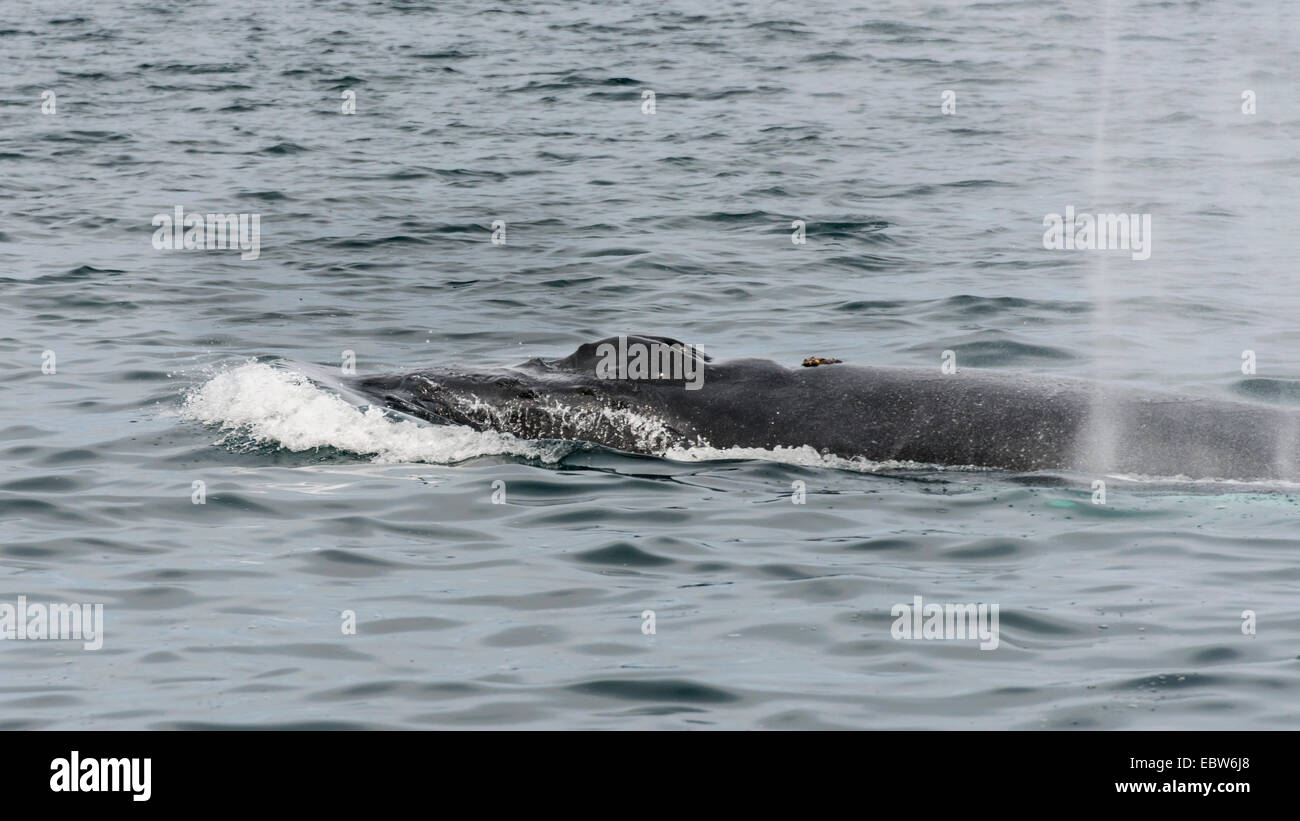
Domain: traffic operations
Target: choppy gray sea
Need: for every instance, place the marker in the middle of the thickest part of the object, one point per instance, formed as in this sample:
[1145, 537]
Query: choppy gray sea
[174, 371]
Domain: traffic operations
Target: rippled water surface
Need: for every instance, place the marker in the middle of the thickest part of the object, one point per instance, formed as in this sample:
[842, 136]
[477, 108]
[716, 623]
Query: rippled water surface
[924, 234]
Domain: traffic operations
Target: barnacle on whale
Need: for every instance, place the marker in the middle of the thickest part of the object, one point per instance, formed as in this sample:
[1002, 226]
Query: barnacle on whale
[814, 361]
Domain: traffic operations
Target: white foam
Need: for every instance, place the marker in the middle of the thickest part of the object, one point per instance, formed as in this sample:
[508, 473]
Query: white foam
[274, 406]
[804, 455]
[1287, 485]
[648, 433]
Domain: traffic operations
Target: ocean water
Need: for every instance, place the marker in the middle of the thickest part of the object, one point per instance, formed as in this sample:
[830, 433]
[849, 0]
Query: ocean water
[924, 233]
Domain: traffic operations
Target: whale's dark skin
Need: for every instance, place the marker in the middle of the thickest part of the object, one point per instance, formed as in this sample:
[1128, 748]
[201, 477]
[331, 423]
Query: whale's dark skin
[976, 418]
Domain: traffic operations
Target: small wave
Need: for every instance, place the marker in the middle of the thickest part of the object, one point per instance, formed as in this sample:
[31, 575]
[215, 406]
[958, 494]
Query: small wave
[281, 148]
[273, 406]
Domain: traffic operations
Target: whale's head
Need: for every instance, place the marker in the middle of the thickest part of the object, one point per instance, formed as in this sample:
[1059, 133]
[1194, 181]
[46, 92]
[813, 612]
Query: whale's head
[610, 392]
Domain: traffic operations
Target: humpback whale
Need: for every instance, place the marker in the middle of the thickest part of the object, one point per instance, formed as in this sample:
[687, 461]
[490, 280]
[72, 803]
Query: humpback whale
[970, 418]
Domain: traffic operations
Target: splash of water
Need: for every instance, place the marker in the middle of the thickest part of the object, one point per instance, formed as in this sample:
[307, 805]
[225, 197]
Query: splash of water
[273, 406]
